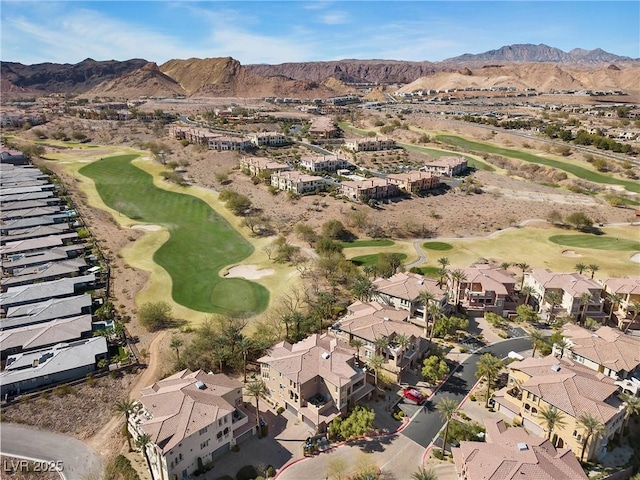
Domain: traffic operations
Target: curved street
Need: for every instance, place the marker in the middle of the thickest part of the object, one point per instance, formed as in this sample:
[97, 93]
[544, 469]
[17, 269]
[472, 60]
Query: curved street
[79, 461]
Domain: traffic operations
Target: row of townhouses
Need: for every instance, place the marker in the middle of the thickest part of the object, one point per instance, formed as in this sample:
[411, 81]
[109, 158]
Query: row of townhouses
[46, 326]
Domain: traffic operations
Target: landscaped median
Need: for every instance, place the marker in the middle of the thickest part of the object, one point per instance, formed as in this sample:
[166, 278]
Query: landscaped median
[199, 244]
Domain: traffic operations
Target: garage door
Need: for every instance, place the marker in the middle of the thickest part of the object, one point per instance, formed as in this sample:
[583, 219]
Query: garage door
[221, 451]
[532, 427]
[245, 436]
[292, 409]
[309, 422]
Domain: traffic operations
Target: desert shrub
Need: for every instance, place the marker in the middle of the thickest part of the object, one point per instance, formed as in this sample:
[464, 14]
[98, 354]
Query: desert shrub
[248, 472]
[270, 471]
[280, 410]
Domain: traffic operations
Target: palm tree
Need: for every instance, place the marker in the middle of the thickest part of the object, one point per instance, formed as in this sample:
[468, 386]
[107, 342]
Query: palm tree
[505, 265]
[631, 407]
[585, 298]
[552, 418]
[361, 288]
[489, 366]
[141, 442]
[614, 301]
[245, 345]
[444, 262]
[526, 290]
[424, 474]
[425, 298]
[403, 341]
[635, 306]
[554, 299]
[562, 344]
[376, 362]
[125, 406]
[442, 274]
[524, 267]
[357, 344]
[447, 407]
[176, 343]
[537, 340]
[593, 268]
[257, 389]
[380, 343]
[592, 428]
[457, 277]
[580, 267]
[436, 312]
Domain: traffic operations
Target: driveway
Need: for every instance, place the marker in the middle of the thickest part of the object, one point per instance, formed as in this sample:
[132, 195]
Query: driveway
[79, 461]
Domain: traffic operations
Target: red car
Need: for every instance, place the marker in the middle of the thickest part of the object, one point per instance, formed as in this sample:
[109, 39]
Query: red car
[413, 395]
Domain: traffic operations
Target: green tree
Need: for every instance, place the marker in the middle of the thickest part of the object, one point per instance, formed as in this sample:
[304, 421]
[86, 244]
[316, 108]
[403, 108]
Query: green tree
[357, 344]
[524, 267]
[635, 308]
[155, 315]
[358, 423]
[142, 442]
[489, 367]
[245, 345]
[553, 298]
[614, 302]
[527, 291]
[580, 221]
[447, 408]
[434, 369]
[580, 267]
[424, 474]
[125, 406]
[335, 230]
[552, 417]
[537, 340]
[457, 277]
[257, 389]
[337, 469]
[631, 406]
[585, 298]
[592, 427]
[362, 288]
[425, 298]
[376, 362]
[306, 233]
[526, 313]
[176, 343]
[593, 268]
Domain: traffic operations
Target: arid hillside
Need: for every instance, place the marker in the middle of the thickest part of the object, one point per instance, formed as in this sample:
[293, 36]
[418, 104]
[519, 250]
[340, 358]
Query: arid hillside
[148, 80]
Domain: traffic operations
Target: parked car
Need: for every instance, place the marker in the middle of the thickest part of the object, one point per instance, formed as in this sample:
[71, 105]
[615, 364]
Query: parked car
[413, 395]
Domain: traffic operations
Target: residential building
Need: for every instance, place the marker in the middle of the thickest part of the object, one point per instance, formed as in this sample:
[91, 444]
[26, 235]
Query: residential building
[22, 223]
[63, 362]
[628, 289]
[370, 321]
[485, 288]
[64, 287]
[24, 196]
[46, 310]
[223, 143]
[11, 156]
[447, 166]
[403, 291]
[540, 384]
[258, 166]
[371, 188]
[35, 244]
[16, 262]
[197, 136]
[269, 139]
[415, 181]
[606, 350]
[192, 419]
[297, 182]
[369, 144]
[323, 163]
[33, 232]
[42, 273]
[510, 453]
[323, 127]
[574, 288]
[315, 379]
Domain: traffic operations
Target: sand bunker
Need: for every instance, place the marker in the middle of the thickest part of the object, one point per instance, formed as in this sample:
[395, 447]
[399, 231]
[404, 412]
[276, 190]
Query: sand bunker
[249, 272]
[148, 228]
[635, 257]
[571, 254]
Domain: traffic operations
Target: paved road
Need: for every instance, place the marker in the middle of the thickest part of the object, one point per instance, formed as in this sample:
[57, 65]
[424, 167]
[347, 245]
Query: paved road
[79, 461]
[427, 423]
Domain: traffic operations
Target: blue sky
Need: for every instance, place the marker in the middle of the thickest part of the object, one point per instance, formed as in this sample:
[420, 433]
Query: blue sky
[312, 30]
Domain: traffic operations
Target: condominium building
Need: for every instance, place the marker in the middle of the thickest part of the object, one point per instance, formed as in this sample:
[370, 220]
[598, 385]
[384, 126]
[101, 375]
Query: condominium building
[404, 290]
[262, 166]
[297, 182]
[415, 181]
[323, 163]
[447, 166]
[369, 144]
[371, 188]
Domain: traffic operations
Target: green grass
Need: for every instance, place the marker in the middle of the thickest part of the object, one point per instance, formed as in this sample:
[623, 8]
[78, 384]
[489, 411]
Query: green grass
[432, 272]
[576, 170]
[601, 242]
[373, 242]
[439, 246]
[372, 260]
[200, 244]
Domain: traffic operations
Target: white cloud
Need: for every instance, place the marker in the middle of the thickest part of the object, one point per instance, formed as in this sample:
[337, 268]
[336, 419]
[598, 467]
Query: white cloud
[335, 18]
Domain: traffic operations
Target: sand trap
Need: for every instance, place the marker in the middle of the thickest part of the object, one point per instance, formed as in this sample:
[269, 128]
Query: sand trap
[249, 272]
[571, 254]
[635, 257]
[148, 228]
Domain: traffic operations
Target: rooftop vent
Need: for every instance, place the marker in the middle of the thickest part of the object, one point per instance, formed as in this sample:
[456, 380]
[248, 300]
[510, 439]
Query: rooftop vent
[555, 367]
[420, 282]
[386, 319]
[200, 385]
[522, 446]
[326, 355]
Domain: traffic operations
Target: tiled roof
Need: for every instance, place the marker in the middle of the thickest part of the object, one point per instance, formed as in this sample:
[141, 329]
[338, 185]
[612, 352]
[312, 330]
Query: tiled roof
[179, 408]
[605, 346]
[624, 286]
[574, 284]
[490, 278]
[372, 320]
[504, 457]
[408, 286]
[316, 355]
[570, 387]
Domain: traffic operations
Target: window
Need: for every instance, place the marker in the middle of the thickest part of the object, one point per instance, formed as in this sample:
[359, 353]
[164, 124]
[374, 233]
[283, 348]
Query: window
[204, 445]
[203, 431]
[219, 436]
[226, 419]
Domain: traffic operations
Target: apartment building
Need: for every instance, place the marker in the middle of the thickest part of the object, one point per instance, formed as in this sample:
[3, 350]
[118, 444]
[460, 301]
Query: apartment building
[192, 419]
[323, 127]
[371, 188]
[198, 136]
[628, 291]
[514, 453]
[223, 143]
[485, 288]
[323, 163]
[537, 384]
[576, 292]
[447, 166]
[403, 291]
[268, 139]
[415, 181]
[315, 379]
[405, 345]
[261, 166]
[369, 144]
[297, 182]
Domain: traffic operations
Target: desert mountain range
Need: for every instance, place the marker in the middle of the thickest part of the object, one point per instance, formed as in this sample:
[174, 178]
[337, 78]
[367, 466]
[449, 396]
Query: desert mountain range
[525, 66]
